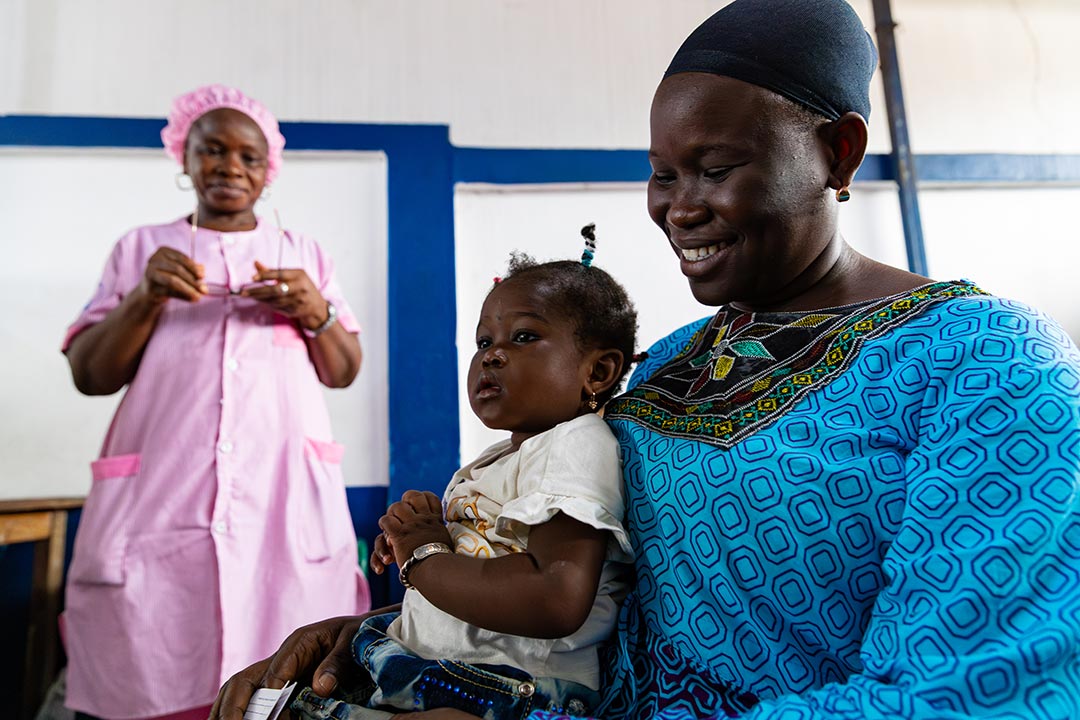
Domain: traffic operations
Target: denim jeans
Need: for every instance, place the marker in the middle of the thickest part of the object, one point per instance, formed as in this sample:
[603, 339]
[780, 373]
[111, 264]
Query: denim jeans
[400, 681]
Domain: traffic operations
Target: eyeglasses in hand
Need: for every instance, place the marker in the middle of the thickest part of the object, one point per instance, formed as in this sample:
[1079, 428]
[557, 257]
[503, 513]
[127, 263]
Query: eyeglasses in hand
[222, 290]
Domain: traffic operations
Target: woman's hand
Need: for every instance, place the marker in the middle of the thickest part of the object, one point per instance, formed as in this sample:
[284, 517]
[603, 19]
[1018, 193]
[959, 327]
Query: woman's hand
[104, 357]
[171, 273]
[335, 353]
[321, 652]
[292, 293]
[413, 521]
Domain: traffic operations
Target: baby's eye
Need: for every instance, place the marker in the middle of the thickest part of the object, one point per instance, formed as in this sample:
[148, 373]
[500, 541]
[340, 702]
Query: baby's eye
[483, 343]
[524, 336]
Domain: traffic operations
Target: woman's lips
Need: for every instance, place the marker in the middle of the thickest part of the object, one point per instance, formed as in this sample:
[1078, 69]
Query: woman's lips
[698, 261]
[228, 191]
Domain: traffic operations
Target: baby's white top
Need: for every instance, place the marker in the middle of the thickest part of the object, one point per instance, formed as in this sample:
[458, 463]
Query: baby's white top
[490, 506]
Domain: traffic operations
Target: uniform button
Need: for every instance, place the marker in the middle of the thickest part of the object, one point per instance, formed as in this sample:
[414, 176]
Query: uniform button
[225, 447]
[220, 527]
[232, 364]
[526, 689]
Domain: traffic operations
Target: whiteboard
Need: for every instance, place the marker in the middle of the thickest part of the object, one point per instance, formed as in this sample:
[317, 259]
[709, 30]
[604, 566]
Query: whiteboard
[63, 209]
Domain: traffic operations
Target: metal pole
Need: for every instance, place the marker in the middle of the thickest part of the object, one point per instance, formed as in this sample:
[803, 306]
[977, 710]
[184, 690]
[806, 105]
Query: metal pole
[903, 160]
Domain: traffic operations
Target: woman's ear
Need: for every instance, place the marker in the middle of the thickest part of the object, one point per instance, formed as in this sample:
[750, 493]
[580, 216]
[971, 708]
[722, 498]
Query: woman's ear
[604, 371]
[846, 138]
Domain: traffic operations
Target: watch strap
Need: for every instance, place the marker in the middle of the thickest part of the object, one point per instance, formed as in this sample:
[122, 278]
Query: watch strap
[331, 318]
[419, 554]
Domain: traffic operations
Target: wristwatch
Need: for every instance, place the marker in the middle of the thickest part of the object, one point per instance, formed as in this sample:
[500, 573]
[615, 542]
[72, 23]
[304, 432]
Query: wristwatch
[331, 318]
[421, 553]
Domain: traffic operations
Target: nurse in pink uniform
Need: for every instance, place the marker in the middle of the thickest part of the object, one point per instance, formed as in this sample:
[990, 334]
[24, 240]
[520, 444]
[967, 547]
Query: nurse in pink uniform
[217, 520]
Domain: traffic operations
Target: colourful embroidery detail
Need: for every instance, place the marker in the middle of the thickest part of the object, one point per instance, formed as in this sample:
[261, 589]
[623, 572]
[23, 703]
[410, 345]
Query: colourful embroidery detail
[741, 371]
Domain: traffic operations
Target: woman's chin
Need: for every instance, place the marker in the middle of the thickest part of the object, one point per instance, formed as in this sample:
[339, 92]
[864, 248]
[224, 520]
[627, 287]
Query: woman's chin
[709, 293]
[231, 209]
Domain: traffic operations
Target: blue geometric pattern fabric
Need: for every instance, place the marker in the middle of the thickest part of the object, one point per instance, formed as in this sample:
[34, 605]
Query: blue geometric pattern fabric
[903, 542]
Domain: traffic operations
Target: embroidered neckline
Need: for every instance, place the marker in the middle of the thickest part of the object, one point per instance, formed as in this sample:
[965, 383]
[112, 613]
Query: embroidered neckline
[743, 370]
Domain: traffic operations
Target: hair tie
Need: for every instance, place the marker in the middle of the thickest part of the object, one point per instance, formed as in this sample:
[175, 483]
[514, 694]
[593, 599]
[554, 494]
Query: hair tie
[588, 232]
[638, 357]
[496, 279]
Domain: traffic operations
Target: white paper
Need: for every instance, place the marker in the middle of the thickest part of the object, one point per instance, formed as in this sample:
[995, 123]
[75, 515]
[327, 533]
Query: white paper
[267, 704]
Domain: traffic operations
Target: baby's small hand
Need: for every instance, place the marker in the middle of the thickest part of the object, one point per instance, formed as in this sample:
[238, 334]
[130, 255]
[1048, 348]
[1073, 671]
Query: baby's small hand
[382, 556]
[414, 520]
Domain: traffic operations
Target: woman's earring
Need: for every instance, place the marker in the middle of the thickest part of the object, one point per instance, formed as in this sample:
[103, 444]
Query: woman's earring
[843, 194]
[184, 182]
[591, 403]
[265, 194]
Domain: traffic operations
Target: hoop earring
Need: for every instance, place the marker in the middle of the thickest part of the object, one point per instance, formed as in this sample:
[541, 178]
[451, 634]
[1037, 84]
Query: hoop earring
[184, 182]
[266, 194]
[843, 194]
[591, 403]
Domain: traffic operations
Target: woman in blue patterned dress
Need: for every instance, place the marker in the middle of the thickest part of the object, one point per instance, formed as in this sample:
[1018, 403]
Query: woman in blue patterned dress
[852, 492]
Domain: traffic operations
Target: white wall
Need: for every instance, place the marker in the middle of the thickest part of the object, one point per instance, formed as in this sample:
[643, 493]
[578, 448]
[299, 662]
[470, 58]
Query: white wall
[992, 75]
[62, 212]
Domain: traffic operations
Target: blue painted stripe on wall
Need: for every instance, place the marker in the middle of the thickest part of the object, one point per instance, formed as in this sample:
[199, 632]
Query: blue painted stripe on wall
[998, 167]
[514, 165]
[70, 131]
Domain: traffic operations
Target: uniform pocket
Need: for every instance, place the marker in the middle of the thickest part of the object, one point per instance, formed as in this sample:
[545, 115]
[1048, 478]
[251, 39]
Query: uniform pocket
[327, 525]
[101, 541]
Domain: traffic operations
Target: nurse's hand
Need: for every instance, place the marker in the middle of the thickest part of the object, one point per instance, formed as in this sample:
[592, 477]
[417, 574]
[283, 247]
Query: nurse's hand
[291, 293]
[171, 273]
[320, 654]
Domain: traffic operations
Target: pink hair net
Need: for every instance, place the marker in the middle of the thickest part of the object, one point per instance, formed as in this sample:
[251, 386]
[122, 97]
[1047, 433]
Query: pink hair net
[189, 107]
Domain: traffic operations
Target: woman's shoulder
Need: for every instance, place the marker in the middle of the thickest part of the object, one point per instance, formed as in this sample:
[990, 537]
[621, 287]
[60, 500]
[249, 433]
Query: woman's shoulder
[664, 349]
[977, 340]
[981, 318]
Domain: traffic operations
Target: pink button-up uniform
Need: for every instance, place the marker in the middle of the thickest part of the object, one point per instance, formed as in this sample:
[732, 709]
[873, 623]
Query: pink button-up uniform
[217, 521]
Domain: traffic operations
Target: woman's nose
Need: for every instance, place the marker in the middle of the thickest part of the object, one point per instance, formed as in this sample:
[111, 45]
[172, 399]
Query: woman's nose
[232, 164]
[687, 210]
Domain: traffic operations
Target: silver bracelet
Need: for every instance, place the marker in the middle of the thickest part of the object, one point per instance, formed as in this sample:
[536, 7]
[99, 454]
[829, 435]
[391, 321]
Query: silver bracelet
[330, 320]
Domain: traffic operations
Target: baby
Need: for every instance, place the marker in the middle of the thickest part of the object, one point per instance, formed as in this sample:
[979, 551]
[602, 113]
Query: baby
[513, 580]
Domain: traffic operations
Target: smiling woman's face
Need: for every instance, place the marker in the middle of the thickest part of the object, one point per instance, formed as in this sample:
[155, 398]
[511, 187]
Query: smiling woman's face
[226, 158]
[740, 188]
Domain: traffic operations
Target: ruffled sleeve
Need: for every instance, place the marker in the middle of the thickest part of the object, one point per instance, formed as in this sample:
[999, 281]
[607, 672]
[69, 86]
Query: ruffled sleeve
[573, 469]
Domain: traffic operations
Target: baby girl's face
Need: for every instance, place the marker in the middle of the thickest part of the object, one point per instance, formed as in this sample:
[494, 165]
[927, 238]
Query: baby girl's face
[528, 373]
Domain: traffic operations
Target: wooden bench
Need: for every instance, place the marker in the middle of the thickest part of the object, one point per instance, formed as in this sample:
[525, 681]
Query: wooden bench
[44, 523]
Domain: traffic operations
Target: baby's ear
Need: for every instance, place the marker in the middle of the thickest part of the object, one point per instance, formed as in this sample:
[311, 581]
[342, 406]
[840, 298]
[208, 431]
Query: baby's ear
[606, 369]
